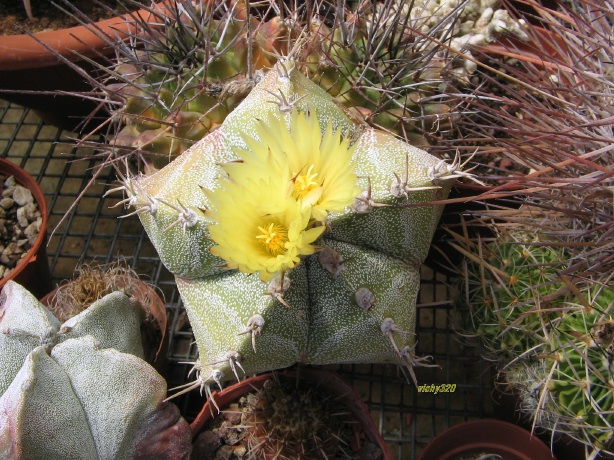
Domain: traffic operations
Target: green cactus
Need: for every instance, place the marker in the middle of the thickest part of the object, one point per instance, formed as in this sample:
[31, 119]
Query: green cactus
[190, 65]
[233, 205]
[513, 292]
[80, 390]
[184, 75]
[390, 63]
[566, 385]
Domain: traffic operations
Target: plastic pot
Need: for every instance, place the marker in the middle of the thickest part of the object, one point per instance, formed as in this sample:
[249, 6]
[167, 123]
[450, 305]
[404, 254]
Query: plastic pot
[486, 436]
[32, 272]
[331, 384]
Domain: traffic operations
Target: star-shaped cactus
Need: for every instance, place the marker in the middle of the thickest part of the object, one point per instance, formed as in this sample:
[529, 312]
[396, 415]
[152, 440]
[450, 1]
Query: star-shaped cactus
[295, 234]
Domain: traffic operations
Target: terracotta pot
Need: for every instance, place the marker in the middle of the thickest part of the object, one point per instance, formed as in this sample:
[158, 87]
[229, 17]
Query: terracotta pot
[32, 272]
[365, 429]
[486, 436]
[38, 63]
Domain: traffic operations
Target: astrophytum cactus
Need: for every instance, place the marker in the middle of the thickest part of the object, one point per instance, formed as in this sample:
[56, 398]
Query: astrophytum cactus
[80, 390]
[294, 234]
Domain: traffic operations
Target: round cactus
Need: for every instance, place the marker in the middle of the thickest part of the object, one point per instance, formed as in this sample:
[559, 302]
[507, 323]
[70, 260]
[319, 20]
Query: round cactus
[294, 234]
[184, 73]
[514, 293]
[80, 390]
[190, 64]
[566, 385]
[391, 63]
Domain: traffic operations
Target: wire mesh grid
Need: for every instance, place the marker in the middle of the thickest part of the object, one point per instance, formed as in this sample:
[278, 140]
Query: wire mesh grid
[89, 231]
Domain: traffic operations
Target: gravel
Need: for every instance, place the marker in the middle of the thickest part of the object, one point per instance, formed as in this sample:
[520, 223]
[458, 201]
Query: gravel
[20, 223]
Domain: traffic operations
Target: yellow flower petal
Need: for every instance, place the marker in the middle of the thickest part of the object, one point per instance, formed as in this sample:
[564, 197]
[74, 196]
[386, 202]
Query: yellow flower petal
[258, 229]
[319, 166]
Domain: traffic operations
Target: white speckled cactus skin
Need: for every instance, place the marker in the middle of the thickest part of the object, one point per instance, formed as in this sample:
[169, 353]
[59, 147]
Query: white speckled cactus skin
[78, 390]
[353, 301]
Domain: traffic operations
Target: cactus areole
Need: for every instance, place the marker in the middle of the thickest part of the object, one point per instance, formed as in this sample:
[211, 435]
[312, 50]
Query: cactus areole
[294, 234]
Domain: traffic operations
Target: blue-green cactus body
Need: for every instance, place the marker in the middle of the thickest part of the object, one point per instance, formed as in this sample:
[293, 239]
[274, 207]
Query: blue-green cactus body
[82, 389]
[354, 300]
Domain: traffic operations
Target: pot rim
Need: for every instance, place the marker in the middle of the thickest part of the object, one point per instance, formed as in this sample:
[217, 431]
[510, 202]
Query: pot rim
[38, 249]
[475, 435]
[43, 49]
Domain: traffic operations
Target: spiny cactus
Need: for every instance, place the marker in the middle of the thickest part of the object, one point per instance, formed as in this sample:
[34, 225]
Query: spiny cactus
[308, 414]
[542, 112]
[513, 292]
[182, 76]
[566, 385]
[390, 62]
[189, 64]
[288, 175]
[289, 415]
[80, 390]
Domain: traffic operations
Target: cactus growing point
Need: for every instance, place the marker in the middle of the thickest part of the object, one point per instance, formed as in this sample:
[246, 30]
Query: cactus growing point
[360, 192]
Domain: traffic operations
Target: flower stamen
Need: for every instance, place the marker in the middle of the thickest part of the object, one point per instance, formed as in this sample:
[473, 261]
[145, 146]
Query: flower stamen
[305, 183]
[273, 238]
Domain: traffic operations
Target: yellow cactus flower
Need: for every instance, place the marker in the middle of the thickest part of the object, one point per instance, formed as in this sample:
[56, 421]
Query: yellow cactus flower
[258, 229]
[315, 169]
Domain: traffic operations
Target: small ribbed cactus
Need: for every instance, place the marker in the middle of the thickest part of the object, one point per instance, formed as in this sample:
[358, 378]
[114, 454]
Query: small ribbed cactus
[80, 390]
[391, 62]
[294, 234]
[184, 73]
[566, 385]
[513, 293]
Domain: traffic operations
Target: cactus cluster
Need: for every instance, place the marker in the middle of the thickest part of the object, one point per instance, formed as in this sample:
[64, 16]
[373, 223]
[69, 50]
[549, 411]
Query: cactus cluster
[539, 126]
[328, 214]
[554, 341]
[81, 390]
[191, 64]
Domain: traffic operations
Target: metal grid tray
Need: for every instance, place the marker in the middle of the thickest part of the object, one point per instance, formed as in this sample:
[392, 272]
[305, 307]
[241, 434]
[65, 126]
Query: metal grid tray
[91, 232]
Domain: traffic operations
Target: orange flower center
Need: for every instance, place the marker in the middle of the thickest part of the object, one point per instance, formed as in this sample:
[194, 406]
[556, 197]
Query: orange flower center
[272, 238]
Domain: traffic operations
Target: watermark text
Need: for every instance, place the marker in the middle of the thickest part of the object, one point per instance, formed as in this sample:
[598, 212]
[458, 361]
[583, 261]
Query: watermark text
[441, 388]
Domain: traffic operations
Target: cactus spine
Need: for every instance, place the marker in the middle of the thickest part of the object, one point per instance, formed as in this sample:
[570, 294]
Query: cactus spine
[513, 292]
[566, 385]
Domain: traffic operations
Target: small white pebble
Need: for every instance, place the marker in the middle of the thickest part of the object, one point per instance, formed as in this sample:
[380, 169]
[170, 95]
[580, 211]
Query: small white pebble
[22, 195]
[7, 203]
